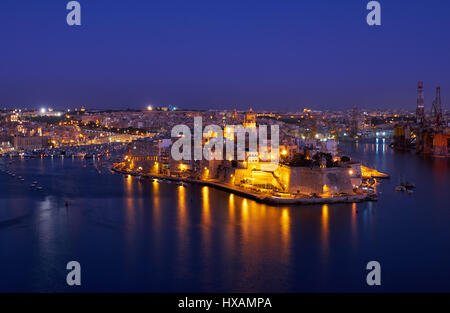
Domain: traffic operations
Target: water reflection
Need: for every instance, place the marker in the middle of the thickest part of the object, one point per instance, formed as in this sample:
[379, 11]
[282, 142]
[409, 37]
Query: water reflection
[206, 212]
[129, 205]
[285, 230]
[325, 231]
[46, 226]
[183, 246]
[163, 237]
[231, 207]
[207, 244]
[257, 235]
[440, 169]
[354, 233]
[47, 233]
[156, 205]
[182, 219]
[244, 220]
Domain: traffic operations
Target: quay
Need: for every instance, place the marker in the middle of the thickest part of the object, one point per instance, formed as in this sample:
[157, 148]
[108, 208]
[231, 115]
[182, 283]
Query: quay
[260, 197]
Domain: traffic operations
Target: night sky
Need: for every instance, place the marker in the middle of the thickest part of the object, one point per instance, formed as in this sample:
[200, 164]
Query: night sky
[274, 54]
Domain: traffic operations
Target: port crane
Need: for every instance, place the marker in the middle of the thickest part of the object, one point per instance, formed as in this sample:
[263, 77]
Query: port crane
[437, 108]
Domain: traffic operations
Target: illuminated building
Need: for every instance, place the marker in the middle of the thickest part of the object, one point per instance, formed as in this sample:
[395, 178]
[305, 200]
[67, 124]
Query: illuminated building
[250, 119]
[235, 115]
[30, 142]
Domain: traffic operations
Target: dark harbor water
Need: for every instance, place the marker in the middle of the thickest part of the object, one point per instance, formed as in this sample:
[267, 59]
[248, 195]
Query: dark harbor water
[132, 236]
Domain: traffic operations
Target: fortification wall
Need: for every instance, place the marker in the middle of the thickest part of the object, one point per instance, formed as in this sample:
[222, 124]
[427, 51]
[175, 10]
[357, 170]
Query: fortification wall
[315, 180]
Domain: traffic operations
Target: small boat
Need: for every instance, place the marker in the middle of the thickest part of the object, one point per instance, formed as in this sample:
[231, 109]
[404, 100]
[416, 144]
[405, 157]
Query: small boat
[179, 183]
[400, 188]
[39, 188]
[410, 192]
[407, 185]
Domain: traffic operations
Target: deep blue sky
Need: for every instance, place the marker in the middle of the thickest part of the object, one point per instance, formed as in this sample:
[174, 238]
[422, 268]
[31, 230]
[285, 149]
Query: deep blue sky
[274, 54]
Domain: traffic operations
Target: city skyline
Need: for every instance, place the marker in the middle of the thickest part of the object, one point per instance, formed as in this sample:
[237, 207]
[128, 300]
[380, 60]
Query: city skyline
[199, 55]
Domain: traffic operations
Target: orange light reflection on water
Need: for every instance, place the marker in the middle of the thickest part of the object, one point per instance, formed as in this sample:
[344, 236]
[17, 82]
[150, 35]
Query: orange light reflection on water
[325, 229]
[354, 225]
[129, 205]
